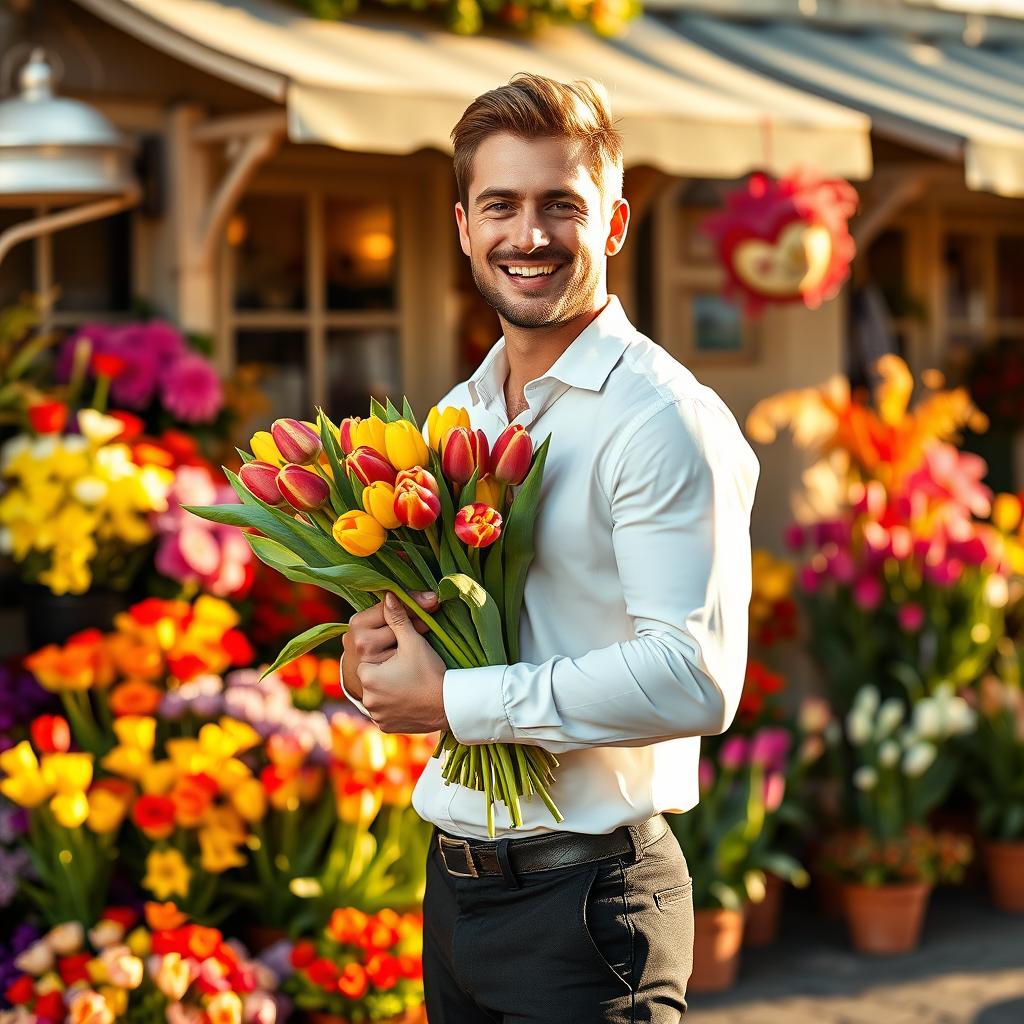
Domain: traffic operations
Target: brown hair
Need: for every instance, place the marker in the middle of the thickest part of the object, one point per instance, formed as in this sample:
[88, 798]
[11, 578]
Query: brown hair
[532, 107]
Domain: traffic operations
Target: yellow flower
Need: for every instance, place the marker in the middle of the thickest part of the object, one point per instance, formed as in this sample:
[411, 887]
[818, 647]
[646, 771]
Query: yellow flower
[243, 735]
[359, 533]
[173, 976]
[140, 942]
[116, 999]
[70, 809]
[488, 490]
[98, 428]
[250, 800]
[218, 851]
[136, 731]
[167, 874]
[106, 810]
[405, 445]
[440, 421]
[159, 778]
[261, 444]
[24, 784]
[379, 502]
[67, 773]
[1006, 512]
[371, 434]
[224, 1008]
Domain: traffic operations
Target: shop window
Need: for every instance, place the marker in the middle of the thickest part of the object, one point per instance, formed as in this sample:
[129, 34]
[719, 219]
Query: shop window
[312, 277]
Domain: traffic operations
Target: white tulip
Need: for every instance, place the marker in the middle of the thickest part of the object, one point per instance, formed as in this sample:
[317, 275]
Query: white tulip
[890, 715]
[918, 759]
[927, 719]
[867, 700]
[36, 959]
[865, 778]
[962, 718]
[106, 933]
[858, 727]
[66, 938]
[889, 754]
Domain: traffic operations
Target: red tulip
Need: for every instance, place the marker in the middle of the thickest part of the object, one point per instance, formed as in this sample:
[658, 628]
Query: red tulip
[511, 455]
[50, 734]
[302, 489]
[416, 506]
[48, 417]
[369, 465]
[463, 452]
[297, 443]
[260, 479]
[106, 364]
[478, 525]
[418, 475]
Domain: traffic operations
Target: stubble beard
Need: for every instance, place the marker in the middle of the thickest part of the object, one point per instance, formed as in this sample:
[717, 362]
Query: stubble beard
[526, 313]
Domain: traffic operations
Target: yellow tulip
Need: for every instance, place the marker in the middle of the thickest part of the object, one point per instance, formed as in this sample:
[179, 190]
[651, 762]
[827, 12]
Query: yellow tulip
[261, 444]
[359, 808]
[106, 811]
[117, 999]
[90, 1007]
[379, 502]
[67, 773]
[19, 760]
[440, 421]
[70, 809]
[359, 533]
[370, 433]
[173, 976]
[24, 784]
[136, 731]
[167, 874]
[140, 942]
[158, 778]
[405, 445]
[218, 851]
[488, 490]
[244, 736]
[224, 1008]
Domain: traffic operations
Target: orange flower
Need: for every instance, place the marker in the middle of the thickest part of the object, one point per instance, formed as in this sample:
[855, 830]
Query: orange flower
[163, 916]
[346, 925]
[81, 664]
[353, 982]
[203, 942]
[154, 815]
[135, 697]
[192, 796]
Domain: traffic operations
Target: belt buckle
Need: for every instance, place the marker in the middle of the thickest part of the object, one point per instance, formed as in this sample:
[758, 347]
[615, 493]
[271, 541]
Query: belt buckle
[444, 844]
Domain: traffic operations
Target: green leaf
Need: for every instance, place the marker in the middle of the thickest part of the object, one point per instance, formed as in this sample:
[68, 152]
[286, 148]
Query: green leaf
[393, 415]
[494, 584]
[336, 578]
[408, 414]
[519, 546]
[306, 642]
[329, 439]
[468, 494]
[245, 456]
[456, 559]
[483, 611]
[420, 563]
[378, 410]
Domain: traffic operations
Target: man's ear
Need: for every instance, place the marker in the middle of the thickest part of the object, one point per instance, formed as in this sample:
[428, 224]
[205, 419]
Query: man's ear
[618, 227]
[463, 222]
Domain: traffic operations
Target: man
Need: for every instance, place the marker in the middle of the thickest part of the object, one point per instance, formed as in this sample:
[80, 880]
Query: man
[633, 631]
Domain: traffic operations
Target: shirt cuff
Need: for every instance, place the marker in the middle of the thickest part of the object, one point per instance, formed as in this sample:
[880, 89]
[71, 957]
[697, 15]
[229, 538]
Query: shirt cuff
[341, 683]
[474, 704]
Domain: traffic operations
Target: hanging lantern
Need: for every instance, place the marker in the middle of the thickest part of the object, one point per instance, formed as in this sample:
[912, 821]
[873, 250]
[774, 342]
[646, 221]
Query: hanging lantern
[785, 240]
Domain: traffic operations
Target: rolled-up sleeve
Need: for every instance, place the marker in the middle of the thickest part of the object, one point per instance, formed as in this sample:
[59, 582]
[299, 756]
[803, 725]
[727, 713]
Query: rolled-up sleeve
[680, 488]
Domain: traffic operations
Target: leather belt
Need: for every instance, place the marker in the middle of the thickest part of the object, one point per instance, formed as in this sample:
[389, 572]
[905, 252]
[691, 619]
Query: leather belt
[477, 858]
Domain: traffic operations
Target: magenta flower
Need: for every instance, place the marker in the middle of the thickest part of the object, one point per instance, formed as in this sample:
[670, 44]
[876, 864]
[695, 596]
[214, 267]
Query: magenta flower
[770, 747]
[944, 573]
[810, 580]
[910, 616]
[135, 386]
[705, 774]
[733, 753]
[795, 537]
[163, 341]
[841, 567]
[868, 593]
[191, 390]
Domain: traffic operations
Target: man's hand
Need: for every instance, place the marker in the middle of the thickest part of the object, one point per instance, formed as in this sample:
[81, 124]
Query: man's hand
[404, 693]
[370, 639]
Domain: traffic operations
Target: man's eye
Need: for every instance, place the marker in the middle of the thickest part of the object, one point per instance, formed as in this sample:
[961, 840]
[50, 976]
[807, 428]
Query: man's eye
[568, 206]
[494, 206]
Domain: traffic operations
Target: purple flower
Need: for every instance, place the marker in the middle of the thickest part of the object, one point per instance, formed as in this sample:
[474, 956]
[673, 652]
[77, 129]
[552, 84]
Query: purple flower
[191, 390]
[164, 341]
[13, 822]
[136, 384]
[96, 336]
[13, 866]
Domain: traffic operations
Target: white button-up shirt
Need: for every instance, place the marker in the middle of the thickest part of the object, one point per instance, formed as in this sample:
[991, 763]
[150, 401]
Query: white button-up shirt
[634, 623]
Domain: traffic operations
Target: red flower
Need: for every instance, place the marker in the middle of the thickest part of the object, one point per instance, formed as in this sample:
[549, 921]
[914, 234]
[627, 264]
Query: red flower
[303, 954]
[411, 967]
[131, 425]
[73, 968]
[383, 970]
[124, 916]
[353, 982]
[154, 815]
[187, 667]
[237, 647]
[148, 612]
[48, 417]
[324, 973]
[51, 735]
[106, 364]
[50, 1007]
[20, 991]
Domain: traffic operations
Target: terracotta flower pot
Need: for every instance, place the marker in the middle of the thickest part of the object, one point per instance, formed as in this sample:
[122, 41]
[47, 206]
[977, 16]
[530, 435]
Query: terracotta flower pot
[829, 891]
[886, 918]
[414, 1016]
[761, 924]
[1004, 862]
[718, 935]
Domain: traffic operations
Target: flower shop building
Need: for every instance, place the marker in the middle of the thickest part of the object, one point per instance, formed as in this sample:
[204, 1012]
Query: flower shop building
[296, 188]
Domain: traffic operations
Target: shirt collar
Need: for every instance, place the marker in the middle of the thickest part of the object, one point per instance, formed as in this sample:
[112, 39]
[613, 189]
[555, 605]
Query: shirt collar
[586, 363]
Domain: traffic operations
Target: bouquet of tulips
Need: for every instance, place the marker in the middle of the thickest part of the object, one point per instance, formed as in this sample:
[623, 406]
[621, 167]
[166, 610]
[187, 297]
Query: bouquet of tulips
[370, 507]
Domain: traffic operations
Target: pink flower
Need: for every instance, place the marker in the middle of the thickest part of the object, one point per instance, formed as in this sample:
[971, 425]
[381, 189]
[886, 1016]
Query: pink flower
[770, 747]
[734, 753]
[164, 341]
[944, 573]
[910, 617]
[795, 537]
[705, 773]
[774, 790]
[810, 580]
[868, 593]
[191, 389]
[841, 567]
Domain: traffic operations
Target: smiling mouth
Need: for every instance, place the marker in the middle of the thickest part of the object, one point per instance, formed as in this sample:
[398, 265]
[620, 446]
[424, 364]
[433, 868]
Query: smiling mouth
[530, 271]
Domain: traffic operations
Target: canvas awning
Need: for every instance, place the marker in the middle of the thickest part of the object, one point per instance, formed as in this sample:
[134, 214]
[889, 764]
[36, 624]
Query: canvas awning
[380, 85]
[938, 95]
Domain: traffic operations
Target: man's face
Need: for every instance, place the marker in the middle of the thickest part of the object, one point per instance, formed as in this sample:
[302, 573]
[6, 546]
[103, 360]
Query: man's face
[537, 230]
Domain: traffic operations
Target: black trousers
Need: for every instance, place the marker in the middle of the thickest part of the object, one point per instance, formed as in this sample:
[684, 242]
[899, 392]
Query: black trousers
[605, 942]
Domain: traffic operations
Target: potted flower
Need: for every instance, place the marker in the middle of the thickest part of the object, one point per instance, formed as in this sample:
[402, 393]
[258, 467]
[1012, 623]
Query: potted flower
[360, 967]
[718, 835]
[900, 771]
[996, 780]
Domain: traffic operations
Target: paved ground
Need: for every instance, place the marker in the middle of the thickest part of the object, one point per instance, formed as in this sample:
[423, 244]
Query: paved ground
[969, 969]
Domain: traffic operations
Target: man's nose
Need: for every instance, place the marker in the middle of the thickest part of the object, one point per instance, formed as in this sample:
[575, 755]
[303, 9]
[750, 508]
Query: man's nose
[531, 236]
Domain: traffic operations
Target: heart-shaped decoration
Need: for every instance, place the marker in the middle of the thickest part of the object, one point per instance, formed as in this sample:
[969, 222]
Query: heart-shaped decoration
[795, 263]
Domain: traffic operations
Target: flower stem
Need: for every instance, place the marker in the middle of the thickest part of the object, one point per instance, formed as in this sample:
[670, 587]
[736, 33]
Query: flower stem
[435, 627]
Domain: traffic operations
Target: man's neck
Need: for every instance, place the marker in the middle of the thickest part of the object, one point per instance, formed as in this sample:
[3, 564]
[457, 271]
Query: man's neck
[532, 351]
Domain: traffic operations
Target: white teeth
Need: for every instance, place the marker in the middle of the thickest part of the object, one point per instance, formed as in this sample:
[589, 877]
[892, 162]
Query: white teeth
[531, 271]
